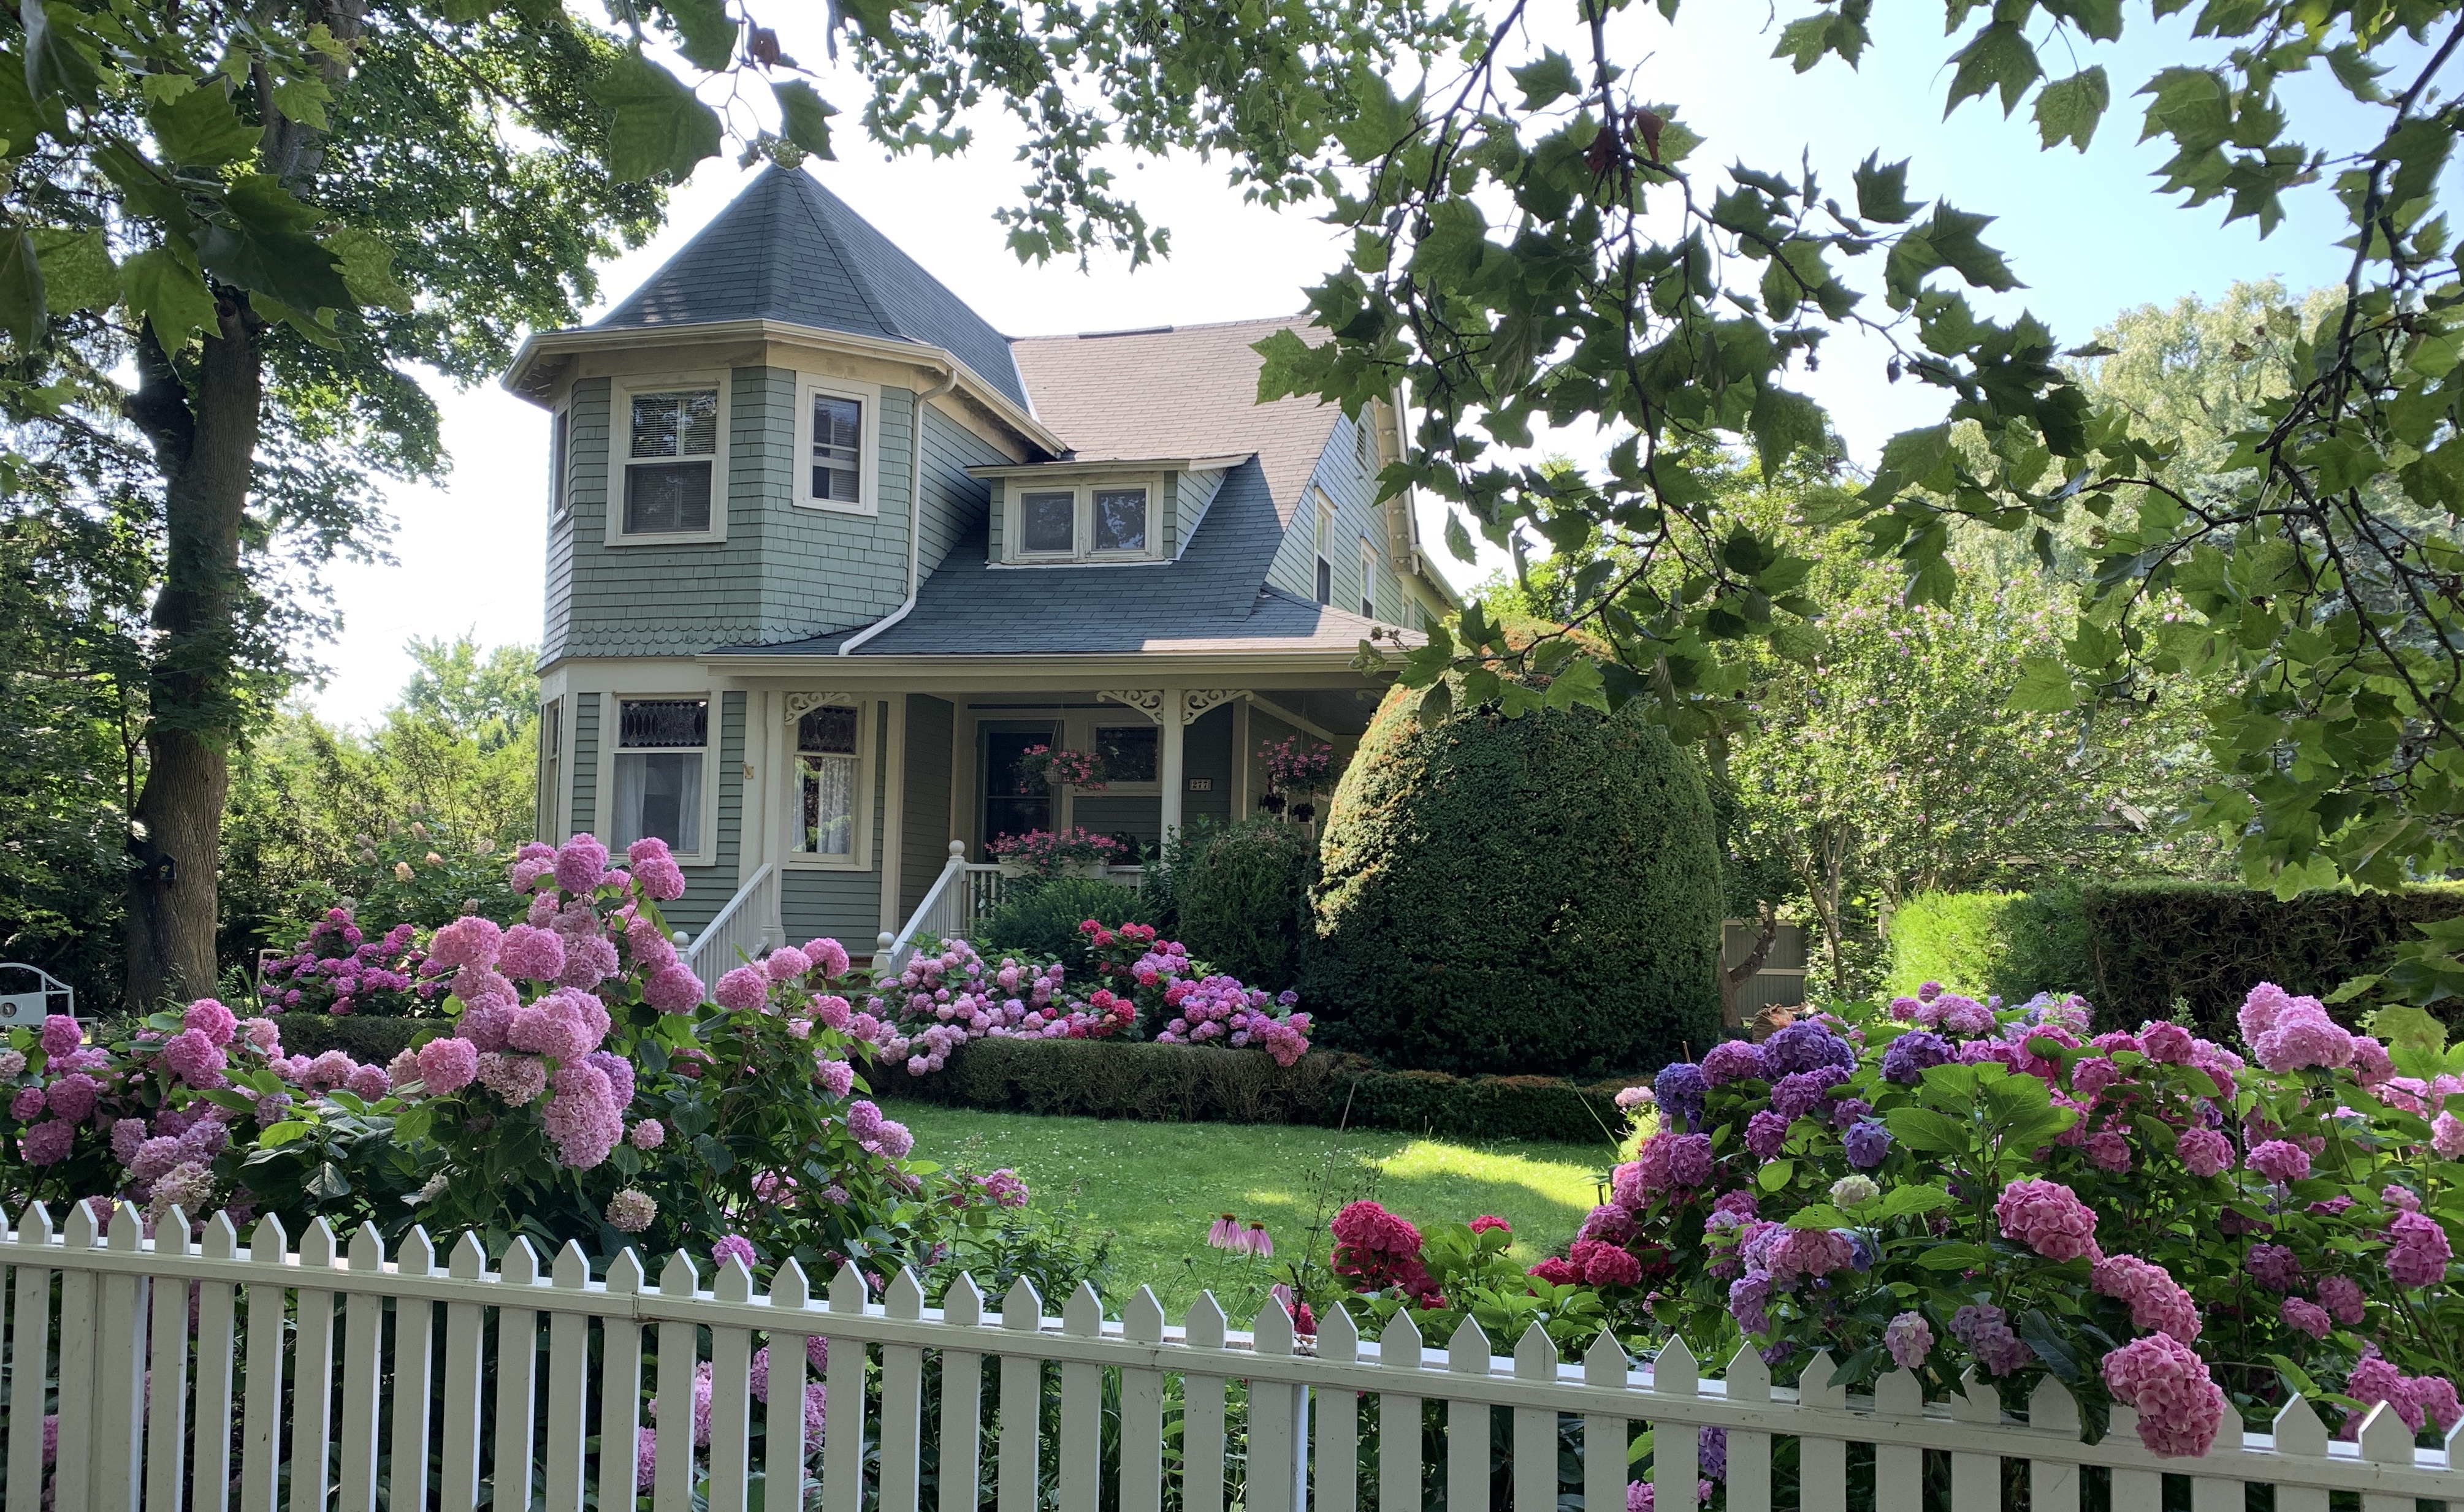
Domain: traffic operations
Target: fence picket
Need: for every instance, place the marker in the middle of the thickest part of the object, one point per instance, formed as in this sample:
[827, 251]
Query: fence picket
[260, 1437]
[312, 1367]
[568, 1385]
[1822, 1458]
[211, 1474]
[73, 1458]
[517, 1382]
[1277, 1462]
[362, 1365]
[1399, 1421]
[1201, 1422]
[1141, 1413]
[1467, 1435]
[1338, 1419]
[1976, 1480]
[1898, 1469]
[2299, 1432]
[30, 1356]
[783, 1426]
[730, 1394]
[414, 1327]
[120, 1372]
[902, 1402]
[1081, 1450]
[2054, 1485]
[458, 1491]
[1022, 1398]
[673, 1409]
[619, 1389]
[1675, 1447]
[2384, 1441]
[166, 1370]
[2133, 1490]
[1605, 1434]
[962, 1407]
[1535, 1428]
[843, 1423]
[1749, 1450]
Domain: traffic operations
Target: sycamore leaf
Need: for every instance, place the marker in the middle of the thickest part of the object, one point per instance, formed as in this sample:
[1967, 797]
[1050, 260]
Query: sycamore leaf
[2069, 109]
[2406, 1027]
[1459, 540]
[303, 98]
[169, 294]
[77, 270]
[1998, 58]
[1780, 423]
[705, 34]
[1883, 191]
[1551, 78]
[2044, 686]
[262, 245]
[59, 65]
[21, 287]
[804, 115]
[200, 128]
[656, 128]
[367, 269]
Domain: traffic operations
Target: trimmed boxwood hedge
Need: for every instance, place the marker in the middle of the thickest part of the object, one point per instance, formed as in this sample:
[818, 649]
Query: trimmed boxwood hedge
[1193, 1083]
[2135, 947]
[370, 1038]
[1537, 895]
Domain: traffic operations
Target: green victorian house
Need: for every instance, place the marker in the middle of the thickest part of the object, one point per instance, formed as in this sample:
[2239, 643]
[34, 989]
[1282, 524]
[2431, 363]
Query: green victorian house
[827, 555]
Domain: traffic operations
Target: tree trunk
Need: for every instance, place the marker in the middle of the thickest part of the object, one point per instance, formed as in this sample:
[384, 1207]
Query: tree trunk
[204, 432]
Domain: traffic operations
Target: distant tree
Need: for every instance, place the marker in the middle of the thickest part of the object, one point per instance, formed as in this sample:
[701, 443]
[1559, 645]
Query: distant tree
[490, 699]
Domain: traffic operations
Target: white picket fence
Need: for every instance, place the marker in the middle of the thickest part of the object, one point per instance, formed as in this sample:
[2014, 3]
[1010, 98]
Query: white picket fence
[146, 1340]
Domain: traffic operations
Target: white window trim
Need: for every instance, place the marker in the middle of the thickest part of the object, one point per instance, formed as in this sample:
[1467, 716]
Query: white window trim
[620, 449]
[1321, 541]
[1370, 561]
[1088, 724]
[556, 780]
[868, 464]
[867, 736]
[612, 733]
[1014, 553]
[560, 464]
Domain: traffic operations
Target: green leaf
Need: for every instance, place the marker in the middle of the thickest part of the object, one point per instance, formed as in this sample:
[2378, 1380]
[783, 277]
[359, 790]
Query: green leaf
[367, 269]
[1956, 1257]
[2069, 109]
[705, 34]
[1817, 1216]
[59, 65]
[1997, 57]
[1775, 1175]
[1780, 423]
[1551, 79]
[656, 128]
[21, 287]
[200, 128]
[1883, 191]
[1910, 459]
[804, 119]
[263, 246]
[2044, 687]
[289, 1131]
[1903, 1201]
[169, 295]
[305, 98]
[77, 270]
[1924, 1129]
[2404, 1026]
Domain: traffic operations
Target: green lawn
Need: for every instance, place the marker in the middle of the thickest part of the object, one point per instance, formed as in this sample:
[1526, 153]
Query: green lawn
[1155, 1187]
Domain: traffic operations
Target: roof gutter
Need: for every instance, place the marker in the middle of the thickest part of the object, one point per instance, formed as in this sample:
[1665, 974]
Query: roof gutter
[915, 513]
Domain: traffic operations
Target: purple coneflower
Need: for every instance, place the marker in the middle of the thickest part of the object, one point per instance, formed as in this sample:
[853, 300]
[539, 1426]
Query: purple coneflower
[1226, 1234]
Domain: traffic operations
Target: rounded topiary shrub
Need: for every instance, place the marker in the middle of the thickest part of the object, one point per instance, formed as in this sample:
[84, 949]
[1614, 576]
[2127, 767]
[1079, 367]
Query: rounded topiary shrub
[1538, 894]
[1039, 921]
[1244, 902]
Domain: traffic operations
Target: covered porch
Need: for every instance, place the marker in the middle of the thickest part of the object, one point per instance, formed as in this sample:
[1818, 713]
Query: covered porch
[868, 809]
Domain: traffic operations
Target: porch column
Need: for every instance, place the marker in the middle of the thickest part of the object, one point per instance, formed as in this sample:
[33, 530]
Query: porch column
[1176, 730]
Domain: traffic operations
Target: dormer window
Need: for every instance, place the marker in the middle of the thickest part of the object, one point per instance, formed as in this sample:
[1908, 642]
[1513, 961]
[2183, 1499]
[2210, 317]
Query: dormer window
[838, 436]
[1099, 520]
[672, 448]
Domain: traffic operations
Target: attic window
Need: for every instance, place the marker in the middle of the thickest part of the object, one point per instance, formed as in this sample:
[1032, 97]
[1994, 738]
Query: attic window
[1093, 522]
[1050, 523]
[670, 456]
[1120, 520]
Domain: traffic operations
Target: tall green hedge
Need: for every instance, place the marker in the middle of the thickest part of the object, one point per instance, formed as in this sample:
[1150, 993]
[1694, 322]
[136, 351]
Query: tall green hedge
[1243, 902]
[1534, 896]
[2135, 947]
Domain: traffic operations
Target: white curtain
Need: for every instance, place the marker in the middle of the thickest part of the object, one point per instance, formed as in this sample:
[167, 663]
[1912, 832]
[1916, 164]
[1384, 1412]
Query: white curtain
[659, 793]
[829, 802]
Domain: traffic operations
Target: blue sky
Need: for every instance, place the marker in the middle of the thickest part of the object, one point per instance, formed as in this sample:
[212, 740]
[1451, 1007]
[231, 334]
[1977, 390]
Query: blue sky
[2085, 232]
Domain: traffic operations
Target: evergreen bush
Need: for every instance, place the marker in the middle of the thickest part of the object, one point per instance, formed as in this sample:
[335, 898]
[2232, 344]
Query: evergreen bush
[1243, 902]
[1538, 894]
[1040, 921]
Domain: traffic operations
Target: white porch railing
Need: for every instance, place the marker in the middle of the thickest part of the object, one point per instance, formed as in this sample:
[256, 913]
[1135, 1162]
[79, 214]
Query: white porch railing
[749, 923]
[958, 901]
[155, 1342]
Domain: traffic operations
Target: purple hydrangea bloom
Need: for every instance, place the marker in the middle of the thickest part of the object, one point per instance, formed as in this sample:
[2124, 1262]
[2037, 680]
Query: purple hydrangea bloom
[1798, 1094]
[1735, 1060]
[1909, 1056]
[1681, 1088]
[1764, 1132]
[1867, 1143]
[1805, 1046]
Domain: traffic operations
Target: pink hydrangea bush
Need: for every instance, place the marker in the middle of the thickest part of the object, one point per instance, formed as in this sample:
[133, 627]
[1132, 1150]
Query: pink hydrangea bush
[338, 969]
[1942, 1183]
[1181, 1002]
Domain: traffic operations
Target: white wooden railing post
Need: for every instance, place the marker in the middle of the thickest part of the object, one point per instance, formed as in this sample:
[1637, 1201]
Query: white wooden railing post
[1467, 1434]
[730, 1394]
[458, 1491]
[2054, 1485]
[2384, 1441]
[1749, 1450]
[72, 1467]
[217, 1315]
[260, 1473]
[679, 1352]
[963, 1402]
[902, 1401]
[619, 1388]
[843, 1432]
[363, 1383]
[166, 1383]
[1822, 1444]
[568, 1385]
[30, 1356]
[1605, 1434]
[414, 1364]
[120, 1372]
[1278, 1467]
[1976, 1480]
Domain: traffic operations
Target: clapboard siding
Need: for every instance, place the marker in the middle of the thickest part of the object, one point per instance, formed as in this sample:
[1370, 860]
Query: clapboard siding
[1208, 754]
[925, 828]
[955, 504]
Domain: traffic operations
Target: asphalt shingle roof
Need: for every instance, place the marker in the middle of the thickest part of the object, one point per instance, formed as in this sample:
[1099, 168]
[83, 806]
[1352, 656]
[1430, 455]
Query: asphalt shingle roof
[1186, 391]
[1213, 598]
[786, 248]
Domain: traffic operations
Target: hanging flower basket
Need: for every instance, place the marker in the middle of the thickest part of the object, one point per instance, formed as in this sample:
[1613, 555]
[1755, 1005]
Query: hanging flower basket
[1061, 767]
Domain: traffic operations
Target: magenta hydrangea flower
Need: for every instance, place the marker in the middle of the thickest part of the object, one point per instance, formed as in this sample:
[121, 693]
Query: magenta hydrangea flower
[2447, 1136]
[785, 964]
[672, 988]
[837, 1078]
[1867, 1144]
[2301, 1036]
[828, 957]
[2308, 1317]
[631, 1210]
[210, 1017]
[2280, 1160]
[1765, 1133]
[447, 1066]
[1689, 1160]
[1986, 1329]
[649, 1134]
[2259, 1010]
[1909, 1339]
[655, 871]
[517, 1079]
[61, 1035]
[368, 1082]
[864, 1118]
[580, 862]
[2169, 1043]
[894, 1139]
[2048, 1218]
[2342, 1297]
[742, 988]
[735, 1245]
[1734, 1061]
[2203, 1152]
[531, 954]
[584, 1118]
[2274, 1266]
[2420, 1252]
[2179, 1404]
[47, 1142]
[195, 1060]
[2157, 1301]
[73, 1096]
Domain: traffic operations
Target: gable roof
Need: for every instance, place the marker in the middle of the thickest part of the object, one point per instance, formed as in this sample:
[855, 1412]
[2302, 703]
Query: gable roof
[1177, 391]
[788, 250]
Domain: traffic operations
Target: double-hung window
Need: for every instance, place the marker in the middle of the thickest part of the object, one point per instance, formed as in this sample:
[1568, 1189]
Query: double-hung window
[1368, 580]
[1325, 546]
[1120, 521]
[551, 788]
[670, 460]
[559, 445]
[826, 783]
[838, 427]
[662, 748]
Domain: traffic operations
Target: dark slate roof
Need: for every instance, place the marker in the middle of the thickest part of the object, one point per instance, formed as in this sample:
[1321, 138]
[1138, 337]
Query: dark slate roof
[786, 248]
[1182, 391]
[1213, 598]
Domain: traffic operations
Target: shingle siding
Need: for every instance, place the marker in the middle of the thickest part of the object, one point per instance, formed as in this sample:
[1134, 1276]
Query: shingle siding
[820, 569]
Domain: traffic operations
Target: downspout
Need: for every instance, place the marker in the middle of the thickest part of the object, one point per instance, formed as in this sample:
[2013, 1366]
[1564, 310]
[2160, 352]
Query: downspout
[915, 514]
